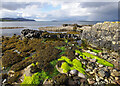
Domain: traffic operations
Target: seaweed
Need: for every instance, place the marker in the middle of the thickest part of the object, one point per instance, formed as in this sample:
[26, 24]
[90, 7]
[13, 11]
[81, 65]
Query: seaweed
[61, 48]
[60, 79]
[65, 67]
[78, 66]
[21, 65]
[9, 58]
[94, 50]
[34, 80]
[70, 65]
[65, 59]
[99, 60]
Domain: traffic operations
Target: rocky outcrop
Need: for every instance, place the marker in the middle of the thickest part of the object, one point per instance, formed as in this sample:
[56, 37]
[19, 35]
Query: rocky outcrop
[27, 33]
[103, 35]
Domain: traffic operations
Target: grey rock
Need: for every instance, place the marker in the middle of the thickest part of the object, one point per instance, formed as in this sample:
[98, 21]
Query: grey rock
[101, 73]
[81, 75]
[100, 65]
[93, 60]
[74, 72]
[90, 81]
[88, 70]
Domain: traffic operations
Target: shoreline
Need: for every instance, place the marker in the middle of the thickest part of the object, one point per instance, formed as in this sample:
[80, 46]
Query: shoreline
[81, 55]
[11, 27]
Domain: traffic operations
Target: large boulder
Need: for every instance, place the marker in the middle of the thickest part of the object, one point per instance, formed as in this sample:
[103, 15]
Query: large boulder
[103, 35]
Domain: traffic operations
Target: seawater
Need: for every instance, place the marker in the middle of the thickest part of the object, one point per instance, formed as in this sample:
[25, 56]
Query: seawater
[34, 25]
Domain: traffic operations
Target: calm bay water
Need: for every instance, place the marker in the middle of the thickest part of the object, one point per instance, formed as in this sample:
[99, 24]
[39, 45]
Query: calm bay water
[33, 25]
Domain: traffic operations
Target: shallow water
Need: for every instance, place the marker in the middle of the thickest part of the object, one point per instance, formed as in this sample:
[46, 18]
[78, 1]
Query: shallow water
[33, 25]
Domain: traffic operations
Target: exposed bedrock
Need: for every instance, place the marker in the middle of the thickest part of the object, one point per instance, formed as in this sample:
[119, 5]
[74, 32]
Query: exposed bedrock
[27, 33]
[104, 35]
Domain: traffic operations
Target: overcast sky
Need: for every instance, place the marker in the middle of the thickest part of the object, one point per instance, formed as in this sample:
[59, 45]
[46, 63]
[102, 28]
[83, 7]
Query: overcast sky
[62, 10]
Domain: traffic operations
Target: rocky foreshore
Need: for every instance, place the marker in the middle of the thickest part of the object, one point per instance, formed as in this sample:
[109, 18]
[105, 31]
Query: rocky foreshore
[104, 35]
[27, 33]
[74, 58]
[64, 27]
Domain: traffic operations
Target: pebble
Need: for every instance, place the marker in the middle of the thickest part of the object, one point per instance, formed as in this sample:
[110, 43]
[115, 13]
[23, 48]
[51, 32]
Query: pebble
[110, 68]
[113, 82]
[91, 72]
[81, 75]
[100, 65]
[97, 78]
[95, 70]
[74, 72]
[88, 70]
[116, 78]
[90, 81]
[93, 60]
[106, 81]
[76, 54]
[101, 73]
[118, 81]
[106, 69]
[4, 80]
[112, 74]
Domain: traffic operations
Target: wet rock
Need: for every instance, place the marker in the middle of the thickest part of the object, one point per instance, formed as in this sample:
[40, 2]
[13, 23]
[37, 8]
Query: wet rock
[81, 75]
[74, 72]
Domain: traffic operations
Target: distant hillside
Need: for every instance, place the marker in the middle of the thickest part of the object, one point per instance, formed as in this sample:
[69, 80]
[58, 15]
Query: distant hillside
[15, 19]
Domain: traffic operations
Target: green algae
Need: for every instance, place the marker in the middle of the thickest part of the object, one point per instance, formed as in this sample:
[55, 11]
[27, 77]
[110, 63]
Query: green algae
[61, 48]
[96, 51]
[99, 60]
[76, 64]
[80, 54]
[65, 59]
[65, 67]
[35, 79]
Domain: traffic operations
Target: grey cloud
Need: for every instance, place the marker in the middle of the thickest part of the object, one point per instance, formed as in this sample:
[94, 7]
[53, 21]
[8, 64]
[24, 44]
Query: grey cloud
[96, 4]
[17, 5]
[14, 5]
[108, 12]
